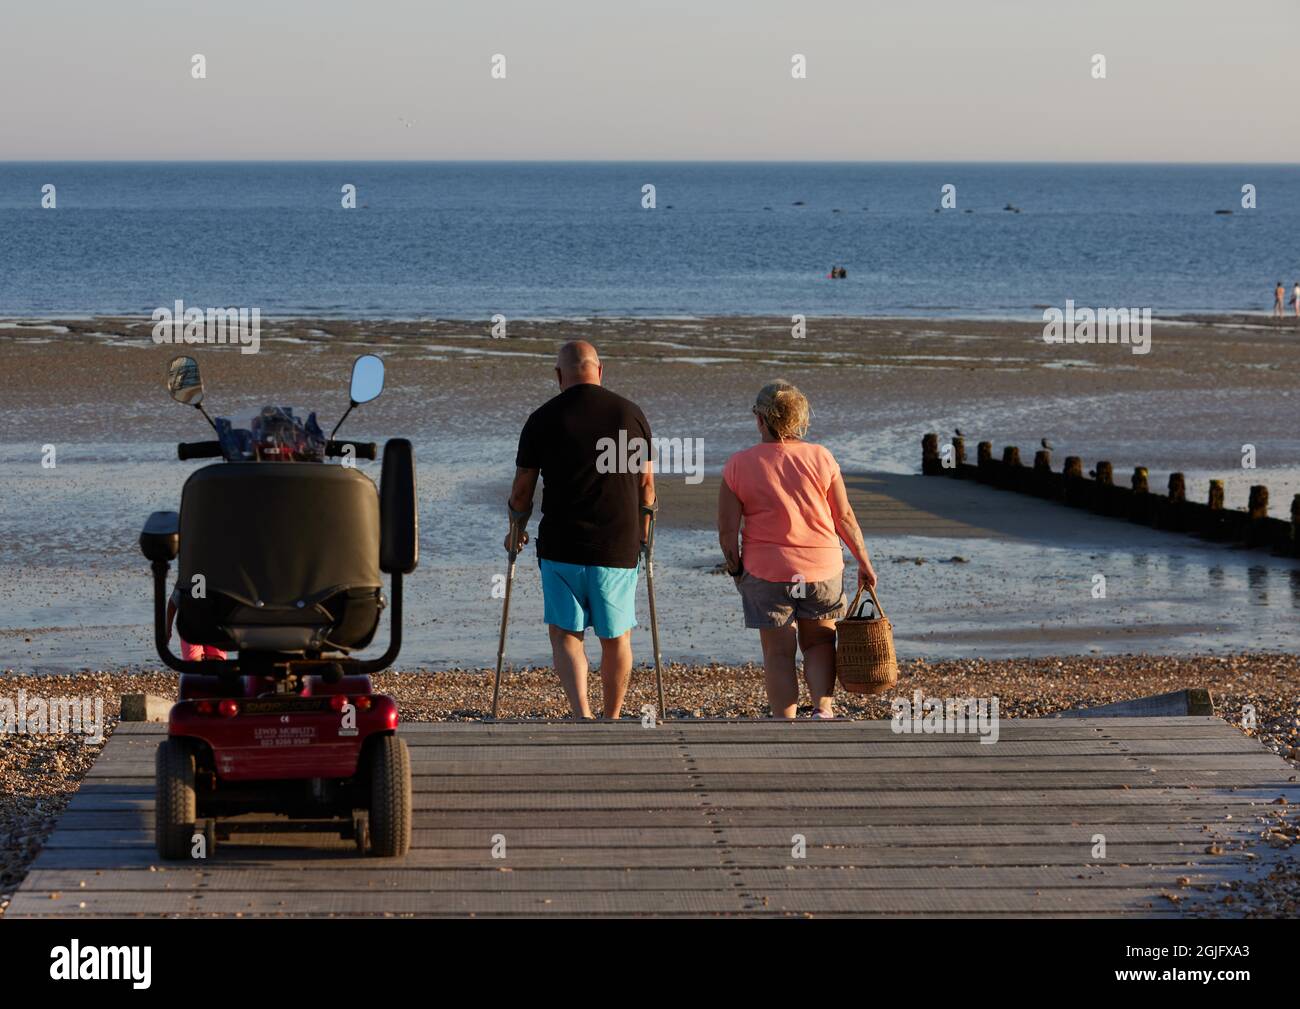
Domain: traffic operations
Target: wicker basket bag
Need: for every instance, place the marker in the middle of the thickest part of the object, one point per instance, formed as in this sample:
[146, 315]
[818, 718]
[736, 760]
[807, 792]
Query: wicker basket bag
[865, 662]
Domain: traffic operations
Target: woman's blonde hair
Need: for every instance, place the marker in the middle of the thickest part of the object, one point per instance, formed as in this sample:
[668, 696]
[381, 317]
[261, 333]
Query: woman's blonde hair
[784, 409]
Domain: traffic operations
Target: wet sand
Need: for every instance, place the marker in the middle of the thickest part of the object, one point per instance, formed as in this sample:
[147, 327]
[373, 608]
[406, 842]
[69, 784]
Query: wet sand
[111, 369]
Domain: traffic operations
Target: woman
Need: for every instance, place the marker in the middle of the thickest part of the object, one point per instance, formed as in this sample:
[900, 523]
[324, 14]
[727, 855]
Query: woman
[189, 652]
[790, 571]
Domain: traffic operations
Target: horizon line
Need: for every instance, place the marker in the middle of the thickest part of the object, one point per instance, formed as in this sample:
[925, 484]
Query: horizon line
[635, 161]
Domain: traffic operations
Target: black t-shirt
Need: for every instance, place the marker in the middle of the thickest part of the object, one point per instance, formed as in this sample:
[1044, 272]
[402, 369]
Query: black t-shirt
[590, 515]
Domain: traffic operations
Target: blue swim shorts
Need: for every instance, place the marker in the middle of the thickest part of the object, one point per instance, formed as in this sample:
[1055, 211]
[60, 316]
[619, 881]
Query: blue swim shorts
[578, 596]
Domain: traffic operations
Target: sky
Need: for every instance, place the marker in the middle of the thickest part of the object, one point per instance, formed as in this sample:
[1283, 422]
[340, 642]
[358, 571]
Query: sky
[942, 80]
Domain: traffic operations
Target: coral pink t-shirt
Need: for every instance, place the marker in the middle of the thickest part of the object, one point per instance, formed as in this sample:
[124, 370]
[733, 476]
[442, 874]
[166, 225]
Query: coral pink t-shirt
[784, 491]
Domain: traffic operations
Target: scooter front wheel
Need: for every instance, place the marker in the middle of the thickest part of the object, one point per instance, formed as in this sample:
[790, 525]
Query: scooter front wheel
[390, 797]
[174, 800]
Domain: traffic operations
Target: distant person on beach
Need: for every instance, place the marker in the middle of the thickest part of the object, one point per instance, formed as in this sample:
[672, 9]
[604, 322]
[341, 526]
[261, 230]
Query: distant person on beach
[1295, 298]
[1279, 294]
[189, 652]
[592, 527]
[786, 497]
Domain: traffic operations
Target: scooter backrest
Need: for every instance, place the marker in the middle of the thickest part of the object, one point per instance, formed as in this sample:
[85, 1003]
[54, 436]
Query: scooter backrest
[281, 535]
[399, 544]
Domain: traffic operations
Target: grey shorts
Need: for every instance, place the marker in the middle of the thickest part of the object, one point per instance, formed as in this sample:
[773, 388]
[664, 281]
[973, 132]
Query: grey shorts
[777, 604]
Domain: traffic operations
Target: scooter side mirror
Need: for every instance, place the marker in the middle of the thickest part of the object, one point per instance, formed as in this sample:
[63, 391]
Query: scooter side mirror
[399, 523]
[184, 381]
[367, 379]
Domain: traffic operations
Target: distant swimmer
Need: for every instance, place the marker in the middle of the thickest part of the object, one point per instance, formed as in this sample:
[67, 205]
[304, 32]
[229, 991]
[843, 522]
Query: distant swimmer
[838, 273]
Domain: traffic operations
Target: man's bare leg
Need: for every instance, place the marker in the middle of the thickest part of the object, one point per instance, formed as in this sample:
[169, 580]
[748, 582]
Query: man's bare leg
[615, 672]
[571, 665]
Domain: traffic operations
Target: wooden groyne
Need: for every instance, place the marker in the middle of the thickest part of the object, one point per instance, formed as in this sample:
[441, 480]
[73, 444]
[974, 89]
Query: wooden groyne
[1099, 492]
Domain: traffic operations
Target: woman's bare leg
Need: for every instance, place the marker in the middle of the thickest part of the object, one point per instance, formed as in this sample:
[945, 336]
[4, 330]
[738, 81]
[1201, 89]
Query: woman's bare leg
[817, 642]
[778, 670]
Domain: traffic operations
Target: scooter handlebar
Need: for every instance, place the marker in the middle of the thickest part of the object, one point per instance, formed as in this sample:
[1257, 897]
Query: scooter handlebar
[212, 449]
[361, 449]
[199, 450]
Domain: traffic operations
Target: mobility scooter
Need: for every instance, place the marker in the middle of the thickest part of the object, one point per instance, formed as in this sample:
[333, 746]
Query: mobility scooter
[279, 557]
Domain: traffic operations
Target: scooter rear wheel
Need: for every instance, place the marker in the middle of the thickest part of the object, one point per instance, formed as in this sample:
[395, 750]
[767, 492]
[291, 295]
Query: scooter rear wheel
[390, 797]
[174, 801]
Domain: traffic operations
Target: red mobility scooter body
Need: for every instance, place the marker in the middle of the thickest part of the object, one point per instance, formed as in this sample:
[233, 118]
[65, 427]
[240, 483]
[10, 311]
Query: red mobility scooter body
[260, 734]
[281, 554]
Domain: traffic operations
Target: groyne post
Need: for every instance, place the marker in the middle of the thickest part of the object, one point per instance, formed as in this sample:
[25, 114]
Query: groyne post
[1074, 488]
[1042, 474]
[1215, 525]
[930, 462]
[1010, 473]
[1295, 526]
[984, 462]
[1141, 504]
[1102, 500]
[1258, 531]
[1174, 515]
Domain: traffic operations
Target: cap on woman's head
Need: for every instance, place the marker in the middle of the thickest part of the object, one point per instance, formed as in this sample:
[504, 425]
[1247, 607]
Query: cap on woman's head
[784, 409]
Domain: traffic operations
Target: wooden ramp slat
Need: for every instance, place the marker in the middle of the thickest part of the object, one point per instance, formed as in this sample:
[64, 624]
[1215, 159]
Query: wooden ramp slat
[127, 816]
[743, 729]
[718, 818]
[112, 767]
[737, 900]
[84, 864]
[771, 782]
[775, 837]
[131, 796]
[550, 880]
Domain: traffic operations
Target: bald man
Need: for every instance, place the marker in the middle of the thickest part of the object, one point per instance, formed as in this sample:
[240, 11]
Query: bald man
[591, 449]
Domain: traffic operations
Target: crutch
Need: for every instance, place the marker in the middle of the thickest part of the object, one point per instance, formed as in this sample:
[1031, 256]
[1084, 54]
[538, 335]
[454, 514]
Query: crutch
[649, 553]
[505, 610]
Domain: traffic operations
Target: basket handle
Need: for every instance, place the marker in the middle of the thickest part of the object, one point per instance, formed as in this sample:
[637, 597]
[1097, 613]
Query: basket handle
[875, 601]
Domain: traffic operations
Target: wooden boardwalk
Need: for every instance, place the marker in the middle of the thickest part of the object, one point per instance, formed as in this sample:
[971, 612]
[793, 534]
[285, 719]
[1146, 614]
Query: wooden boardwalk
[701, 818]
